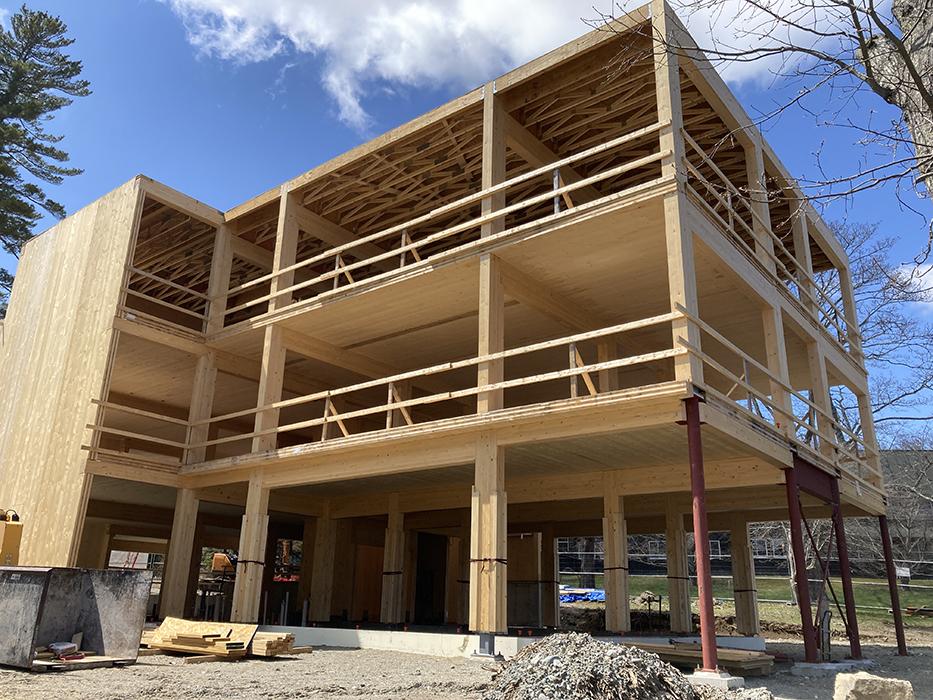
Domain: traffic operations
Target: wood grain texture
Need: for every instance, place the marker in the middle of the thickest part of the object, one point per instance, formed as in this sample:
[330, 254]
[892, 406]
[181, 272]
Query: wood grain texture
[53, 362]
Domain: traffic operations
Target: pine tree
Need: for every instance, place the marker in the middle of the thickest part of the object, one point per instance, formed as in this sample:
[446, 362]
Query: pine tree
[36, 80]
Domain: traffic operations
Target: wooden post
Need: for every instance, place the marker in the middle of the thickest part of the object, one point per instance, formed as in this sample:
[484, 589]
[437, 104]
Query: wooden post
[305, 574]
[801, 232]
[221, 264]
[247, 588]
[202, 403]
[393, 562]
[615, 544]
[286, 249]
[679, 238]
[867, 422]
[452, 581]
[272, 374]
[488, 539]
[322, 574]
[271, 380]
[776, 348]
[743, 579]
[678, 571]
[758, 200]
[550, 575]
[465, 568]
[819, 389]
[491, 294]
[181, 544]
[850, 311]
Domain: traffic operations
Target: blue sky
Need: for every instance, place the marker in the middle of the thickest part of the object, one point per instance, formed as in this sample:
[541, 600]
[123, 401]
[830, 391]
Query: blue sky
[181, 96]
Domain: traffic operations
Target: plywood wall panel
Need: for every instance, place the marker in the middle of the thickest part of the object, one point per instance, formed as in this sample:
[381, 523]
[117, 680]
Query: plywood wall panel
[53, 361]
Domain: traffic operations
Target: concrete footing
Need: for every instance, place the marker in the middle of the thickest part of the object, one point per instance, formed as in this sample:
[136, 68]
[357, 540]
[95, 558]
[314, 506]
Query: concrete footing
[831, 668]
[716, 679]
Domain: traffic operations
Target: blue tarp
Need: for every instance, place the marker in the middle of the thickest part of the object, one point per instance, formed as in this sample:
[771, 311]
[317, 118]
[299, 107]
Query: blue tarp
[595, 596]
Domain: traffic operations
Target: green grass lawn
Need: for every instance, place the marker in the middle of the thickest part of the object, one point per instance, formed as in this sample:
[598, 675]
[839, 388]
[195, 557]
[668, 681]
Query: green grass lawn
[871, 600]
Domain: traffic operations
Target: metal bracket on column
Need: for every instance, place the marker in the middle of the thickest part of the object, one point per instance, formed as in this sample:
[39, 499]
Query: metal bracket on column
[487, 645]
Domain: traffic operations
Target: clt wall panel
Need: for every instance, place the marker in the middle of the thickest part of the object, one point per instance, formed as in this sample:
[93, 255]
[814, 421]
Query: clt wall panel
[53, 361]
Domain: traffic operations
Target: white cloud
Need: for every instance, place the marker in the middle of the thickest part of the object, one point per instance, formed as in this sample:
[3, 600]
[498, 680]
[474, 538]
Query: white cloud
[367, 43]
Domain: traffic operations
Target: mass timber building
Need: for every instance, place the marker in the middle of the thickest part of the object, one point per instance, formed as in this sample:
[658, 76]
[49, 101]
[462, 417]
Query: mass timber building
[581, 299]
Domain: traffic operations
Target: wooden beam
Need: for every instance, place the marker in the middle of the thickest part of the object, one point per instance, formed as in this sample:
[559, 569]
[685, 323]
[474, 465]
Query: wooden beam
[530, 292]
[155, 335]
[335, 235]
[252, 253]
[537, 154]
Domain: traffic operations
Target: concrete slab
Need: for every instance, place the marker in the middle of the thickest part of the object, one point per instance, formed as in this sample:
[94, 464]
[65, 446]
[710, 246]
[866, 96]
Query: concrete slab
[452, 644]
[716, 679]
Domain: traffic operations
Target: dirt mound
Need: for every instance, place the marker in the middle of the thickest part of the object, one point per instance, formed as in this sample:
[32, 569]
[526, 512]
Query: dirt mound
[575, 666]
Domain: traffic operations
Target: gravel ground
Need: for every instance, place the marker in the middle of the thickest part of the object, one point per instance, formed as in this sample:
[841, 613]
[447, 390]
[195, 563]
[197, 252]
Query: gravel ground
[337, 673]
[325, 673]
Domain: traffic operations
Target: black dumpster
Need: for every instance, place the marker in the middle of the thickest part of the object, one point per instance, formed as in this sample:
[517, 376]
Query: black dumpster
[39, 606]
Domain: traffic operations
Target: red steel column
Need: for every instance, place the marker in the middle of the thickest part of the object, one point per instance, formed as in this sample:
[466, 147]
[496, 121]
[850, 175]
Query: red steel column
[842, 549]
[701, 536]
[800, 563]
[892, 585]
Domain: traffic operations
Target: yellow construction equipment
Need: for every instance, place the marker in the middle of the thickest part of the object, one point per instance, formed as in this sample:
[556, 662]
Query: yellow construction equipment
[11, 532]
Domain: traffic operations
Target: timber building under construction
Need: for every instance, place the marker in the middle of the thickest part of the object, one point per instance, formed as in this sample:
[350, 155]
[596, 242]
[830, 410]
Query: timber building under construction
[587, 289]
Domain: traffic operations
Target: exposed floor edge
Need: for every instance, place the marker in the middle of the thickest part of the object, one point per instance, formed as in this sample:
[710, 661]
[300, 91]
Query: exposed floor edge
[452, 645]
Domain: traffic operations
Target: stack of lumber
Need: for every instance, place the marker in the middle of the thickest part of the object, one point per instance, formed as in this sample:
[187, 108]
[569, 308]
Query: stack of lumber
[271, 644]
[737, 661]
[221, 639]
[214, 644]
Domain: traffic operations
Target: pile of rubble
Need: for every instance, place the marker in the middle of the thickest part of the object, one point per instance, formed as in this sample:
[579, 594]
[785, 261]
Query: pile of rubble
[575, 666]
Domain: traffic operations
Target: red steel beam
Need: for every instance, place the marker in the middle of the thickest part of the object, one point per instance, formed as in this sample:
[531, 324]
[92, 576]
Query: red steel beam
[892, 585]
[800, 564]
[842, 549]
[701, 536]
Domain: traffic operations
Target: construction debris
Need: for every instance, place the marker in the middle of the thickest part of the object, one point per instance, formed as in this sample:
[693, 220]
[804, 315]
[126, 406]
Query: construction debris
[741, 662]
[575, 666]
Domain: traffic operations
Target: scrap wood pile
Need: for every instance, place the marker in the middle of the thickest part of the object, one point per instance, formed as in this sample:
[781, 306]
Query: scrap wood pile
[741, 662]
[227, 640]
[573, 666]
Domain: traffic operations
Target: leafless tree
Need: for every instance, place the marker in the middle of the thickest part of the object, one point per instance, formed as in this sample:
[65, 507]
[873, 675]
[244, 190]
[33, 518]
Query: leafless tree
[836, 60]
[897, 340]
